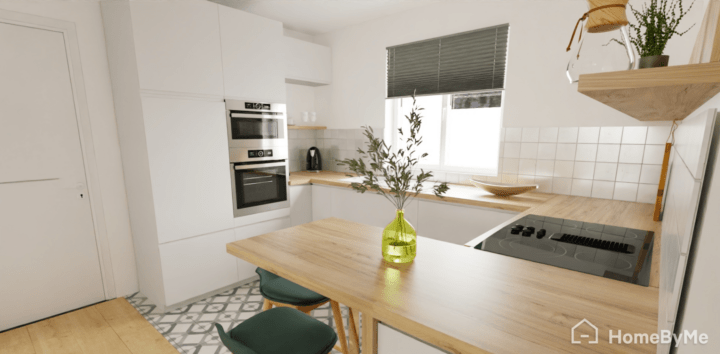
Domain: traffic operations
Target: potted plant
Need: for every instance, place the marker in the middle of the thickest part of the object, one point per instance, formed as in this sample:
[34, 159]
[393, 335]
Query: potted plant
[395, 168]
[657, 22]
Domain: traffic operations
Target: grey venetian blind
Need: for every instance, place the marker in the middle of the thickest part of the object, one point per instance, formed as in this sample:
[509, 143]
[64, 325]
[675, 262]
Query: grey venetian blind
[467, 61]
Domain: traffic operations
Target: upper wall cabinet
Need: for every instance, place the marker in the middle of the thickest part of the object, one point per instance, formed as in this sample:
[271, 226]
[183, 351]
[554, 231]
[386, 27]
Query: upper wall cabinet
[177, 46]
[307, 63]
[252, 56]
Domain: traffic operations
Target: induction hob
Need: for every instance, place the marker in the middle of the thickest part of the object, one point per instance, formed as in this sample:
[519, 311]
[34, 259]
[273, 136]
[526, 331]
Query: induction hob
[608, 251]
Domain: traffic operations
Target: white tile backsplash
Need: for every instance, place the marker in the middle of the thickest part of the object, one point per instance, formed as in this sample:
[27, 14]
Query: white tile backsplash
[588, 135]
[512, 150]
[608, 153]
[565, 152]
[510, 165]
[650, 174]
[602, 189]
[544, 184]
[582, 188]
[625, 191]
[563, 169]
[631, 153]
[654, 154]
[546, 151]
[634, 135]
[610, 135]
[545, 168]
[562, 186]
[568, 135]
[530, 135]
[513, 135]
[548, 135]
[527, 166]
[647, 193]
[605, 171]
[584, 170]
[528, 150]
[586, 152]
[628, 173]
[658, 134]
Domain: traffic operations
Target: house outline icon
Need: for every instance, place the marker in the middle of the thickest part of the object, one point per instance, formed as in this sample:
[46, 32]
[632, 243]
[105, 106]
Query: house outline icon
[584, 320]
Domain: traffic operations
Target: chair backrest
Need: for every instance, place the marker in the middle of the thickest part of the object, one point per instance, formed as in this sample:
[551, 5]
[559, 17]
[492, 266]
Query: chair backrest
[265, 276]
[234, 346]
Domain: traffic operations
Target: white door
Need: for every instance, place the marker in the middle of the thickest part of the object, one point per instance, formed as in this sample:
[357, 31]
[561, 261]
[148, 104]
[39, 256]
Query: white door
[48, 254]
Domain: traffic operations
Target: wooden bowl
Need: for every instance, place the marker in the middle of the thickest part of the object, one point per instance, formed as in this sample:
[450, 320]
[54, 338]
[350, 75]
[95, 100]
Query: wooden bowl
[504, 190]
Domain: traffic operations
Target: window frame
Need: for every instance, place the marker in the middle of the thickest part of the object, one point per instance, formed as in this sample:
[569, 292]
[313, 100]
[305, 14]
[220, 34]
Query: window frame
[446, 105]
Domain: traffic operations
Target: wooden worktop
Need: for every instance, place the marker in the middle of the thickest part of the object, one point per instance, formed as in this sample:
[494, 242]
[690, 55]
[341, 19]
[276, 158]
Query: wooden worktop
[457, 298]
[459, 194]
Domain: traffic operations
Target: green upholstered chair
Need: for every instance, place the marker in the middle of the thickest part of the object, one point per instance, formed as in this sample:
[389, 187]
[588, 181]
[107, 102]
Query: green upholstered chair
[280, 292]
[280, 330]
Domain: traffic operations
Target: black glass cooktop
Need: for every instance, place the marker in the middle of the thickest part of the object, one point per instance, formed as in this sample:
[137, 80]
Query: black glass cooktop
[608, 251]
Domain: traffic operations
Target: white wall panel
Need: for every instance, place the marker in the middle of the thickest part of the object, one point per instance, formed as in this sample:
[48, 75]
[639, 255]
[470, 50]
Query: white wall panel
[246, 270]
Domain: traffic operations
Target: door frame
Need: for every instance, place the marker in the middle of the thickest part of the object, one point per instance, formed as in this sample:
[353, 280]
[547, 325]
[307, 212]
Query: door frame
[77, 82]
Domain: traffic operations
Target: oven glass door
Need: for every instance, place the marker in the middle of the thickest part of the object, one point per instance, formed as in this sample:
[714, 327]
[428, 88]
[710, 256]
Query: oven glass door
[260, 185]
[254, 128]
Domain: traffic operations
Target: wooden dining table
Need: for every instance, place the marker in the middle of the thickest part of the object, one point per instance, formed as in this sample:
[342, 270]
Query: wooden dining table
[456, 298]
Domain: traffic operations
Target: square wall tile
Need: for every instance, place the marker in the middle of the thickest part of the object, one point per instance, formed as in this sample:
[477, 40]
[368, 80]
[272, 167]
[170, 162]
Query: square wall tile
[546, 151]
[647, 193]
[625, 191]
[628, 173]
[568, 135]
[544, 184]
[650, 174]
[563, 169]
[548, 135]
[584, 170]
[526, 179]
[654, 154]
[530, 135]
[565, 152]
[610, 135]
[527, 166]
[545, 168]
[634, 135]
[510, 165]
[588, 135]
[562, 186]
[586, 152]
[631, 153]
[603, 189]
[581, 188]
[608, 153]
[513, 135]
[658, 134]
[509, 178]
[605, 171]
[512, 150]
[528, 150]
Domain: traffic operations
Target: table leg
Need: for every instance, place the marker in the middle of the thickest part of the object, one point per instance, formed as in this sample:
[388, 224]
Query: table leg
[353, 327]
[369, 334]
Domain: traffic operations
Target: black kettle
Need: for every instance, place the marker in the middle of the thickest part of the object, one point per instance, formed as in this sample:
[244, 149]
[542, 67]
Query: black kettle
[314, 160]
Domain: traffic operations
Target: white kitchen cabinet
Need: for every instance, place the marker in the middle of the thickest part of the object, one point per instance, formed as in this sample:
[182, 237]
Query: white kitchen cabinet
[368, 208]
[301, 204]
[177, 46]
[392, 341]
[306, 63]
[252, 56]
[189, 168]
[456, 223]
[197, 265]
[246, 270]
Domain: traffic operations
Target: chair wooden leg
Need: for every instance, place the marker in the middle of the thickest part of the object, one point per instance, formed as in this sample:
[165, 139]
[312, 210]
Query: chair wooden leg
[340, 328]
[354, 340]
[267, 305]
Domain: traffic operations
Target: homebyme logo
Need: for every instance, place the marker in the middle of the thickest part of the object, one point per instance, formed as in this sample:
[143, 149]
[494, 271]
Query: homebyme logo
[586, 332]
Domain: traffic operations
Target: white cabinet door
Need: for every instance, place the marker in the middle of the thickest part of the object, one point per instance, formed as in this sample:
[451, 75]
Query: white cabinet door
[455, 223]
[301, 204]
[189, 168]
[367, 208]
[177, 45]
[307, 63]
[252, 56]
[245, 269]
[197, 266]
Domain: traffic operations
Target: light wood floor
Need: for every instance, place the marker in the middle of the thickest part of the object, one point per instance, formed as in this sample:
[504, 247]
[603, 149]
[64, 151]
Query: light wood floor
[112, 327]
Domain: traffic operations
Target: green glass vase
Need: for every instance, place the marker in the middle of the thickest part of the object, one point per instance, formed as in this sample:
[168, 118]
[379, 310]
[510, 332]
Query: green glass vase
[399, 242]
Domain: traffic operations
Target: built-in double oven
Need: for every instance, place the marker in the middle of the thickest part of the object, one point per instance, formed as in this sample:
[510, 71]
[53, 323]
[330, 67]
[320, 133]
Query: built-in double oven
[257, 135]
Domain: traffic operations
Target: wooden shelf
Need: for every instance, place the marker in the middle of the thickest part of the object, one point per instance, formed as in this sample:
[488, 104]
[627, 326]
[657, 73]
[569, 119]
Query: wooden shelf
[305, 127]
[655, 94]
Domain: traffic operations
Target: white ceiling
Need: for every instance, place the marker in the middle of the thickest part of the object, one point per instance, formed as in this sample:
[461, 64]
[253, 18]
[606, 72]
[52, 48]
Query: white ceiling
[322, 16]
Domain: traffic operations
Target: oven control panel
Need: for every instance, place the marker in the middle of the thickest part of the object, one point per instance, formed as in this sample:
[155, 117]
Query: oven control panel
[253, 105]
[260, 153]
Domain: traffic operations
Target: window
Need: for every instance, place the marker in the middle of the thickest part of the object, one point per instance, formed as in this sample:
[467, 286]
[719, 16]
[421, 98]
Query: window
[461, 132]
[459, 81]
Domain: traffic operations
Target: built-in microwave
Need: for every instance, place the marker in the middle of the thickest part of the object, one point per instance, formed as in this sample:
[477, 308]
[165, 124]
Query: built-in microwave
[256, 124]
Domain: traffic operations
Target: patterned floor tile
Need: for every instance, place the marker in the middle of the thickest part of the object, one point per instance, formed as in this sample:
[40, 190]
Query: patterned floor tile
[191, 329]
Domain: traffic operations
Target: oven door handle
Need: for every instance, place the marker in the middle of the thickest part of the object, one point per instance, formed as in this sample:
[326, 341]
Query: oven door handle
[260, 165]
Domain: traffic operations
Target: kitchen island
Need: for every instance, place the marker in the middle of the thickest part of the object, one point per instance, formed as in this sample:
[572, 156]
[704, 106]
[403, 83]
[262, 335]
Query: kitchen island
[455, 298]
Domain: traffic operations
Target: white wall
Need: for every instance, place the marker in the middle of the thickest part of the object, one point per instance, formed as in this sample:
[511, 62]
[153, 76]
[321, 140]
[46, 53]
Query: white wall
[299, 99]
[88, 22]
[537, 92]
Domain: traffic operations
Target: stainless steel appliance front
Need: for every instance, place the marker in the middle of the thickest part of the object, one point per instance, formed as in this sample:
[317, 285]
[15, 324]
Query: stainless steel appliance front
[257, 135]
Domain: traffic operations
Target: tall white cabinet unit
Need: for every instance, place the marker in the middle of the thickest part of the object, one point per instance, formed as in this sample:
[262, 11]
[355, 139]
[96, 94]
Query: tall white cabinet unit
[171, 65]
